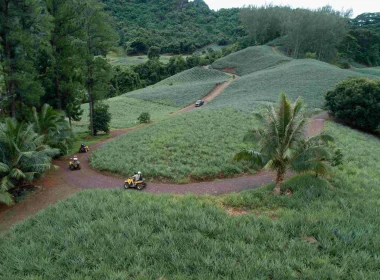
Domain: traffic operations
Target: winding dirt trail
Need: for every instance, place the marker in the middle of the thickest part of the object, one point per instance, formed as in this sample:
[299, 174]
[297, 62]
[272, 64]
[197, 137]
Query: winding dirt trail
[61, 183]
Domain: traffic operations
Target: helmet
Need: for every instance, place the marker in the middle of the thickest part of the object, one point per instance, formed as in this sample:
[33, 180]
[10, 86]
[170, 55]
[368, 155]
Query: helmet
[139, 172]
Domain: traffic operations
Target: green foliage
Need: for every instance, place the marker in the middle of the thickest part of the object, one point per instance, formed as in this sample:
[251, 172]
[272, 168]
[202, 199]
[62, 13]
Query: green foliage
[283, 145]
[198, 145]
[102, 118]
[177, 27]
[21, 26]
[144, 117]
[125, 80]
[316, 31]
[54, 128]
[154, 52]
[125, 111]
[23, 156]
[250, 60]
[306, 233]
[307, 78]
[356, 102]
[73, 111]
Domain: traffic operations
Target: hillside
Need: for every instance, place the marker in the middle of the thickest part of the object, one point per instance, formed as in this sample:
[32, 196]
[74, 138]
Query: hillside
[306, 78]
[250, 60]
[182, 89]
[176, 26]
[319, 232]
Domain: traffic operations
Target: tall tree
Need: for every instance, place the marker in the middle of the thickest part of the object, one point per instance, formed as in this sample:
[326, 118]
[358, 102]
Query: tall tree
[283, 144]
[24, 28]
[98, 38]
[63, 72]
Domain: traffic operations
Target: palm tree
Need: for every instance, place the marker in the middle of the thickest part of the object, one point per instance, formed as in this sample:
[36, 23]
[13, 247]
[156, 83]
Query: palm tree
[22, 156]
[54, 127]
[283, 144]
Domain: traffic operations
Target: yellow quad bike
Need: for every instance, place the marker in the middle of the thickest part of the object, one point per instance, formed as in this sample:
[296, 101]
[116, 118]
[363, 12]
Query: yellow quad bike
[138, 184]
[84, 149]
[74, 163]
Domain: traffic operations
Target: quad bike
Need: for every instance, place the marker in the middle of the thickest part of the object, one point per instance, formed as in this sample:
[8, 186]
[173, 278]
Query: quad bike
[74, 163]
[84, 149]
[137, 184]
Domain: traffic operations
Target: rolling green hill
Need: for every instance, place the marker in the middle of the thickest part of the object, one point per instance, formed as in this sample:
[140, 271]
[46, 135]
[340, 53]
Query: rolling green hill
[250, 60]
[306, 78]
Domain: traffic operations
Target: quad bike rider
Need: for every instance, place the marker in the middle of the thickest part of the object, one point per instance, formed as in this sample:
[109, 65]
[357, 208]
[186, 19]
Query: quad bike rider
[74, 163]
[136, 181]
[83, 148]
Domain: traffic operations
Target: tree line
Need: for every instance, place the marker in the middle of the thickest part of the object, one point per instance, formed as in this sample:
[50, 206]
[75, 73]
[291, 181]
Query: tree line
[301, 31]
[175, 26]
[52, 51]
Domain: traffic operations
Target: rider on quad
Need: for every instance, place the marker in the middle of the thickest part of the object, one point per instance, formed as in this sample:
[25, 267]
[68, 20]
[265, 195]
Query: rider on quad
[137, 177]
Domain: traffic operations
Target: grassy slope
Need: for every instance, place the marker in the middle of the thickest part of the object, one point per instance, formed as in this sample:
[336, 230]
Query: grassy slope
[375, 71]
[125, 111]
[251, 60]
[182, 89]
[318, 233]
[307, 78]
[198, 145]
[125, 61]
[195, 75]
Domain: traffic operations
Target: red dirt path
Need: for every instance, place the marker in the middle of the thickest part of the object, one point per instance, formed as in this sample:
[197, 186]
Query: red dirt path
[59, 184]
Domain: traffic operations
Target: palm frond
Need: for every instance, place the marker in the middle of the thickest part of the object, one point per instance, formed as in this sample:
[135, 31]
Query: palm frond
[6, 198]
[257, 159]
[4, 168]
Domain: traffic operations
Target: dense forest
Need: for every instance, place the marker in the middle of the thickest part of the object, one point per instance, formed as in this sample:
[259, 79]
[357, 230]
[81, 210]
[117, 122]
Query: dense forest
[362, 42]
[175, 26]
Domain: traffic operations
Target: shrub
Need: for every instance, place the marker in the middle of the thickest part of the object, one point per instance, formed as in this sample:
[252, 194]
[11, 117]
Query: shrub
[144, 117]
[23, 156]
[356, 102]
[101, 118]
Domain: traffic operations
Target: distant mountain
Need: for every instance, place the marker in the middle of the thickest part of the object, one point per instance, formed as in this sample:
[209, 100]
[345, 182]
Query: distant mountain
[176, 26]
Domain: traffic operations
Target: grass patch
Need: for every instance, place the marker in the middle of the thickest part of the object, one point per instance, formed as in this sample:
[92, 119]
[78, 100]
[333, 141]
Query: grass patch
[251, 60]
[176, 96]
[85, 137]
[195, 75]
[125, 61]
[125, 111]
[307, 78]
[320, 232]
[375, 71]
[197, 145]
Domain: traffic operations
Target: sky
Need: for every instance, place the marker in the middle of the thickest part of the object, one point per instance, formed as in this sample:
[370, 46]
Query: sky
[358, 6]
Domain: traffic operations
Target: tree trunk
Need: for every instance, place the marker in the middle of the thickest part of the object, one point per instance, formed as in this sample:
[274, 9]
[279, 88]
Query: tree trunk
[91, 103]
[279, 179]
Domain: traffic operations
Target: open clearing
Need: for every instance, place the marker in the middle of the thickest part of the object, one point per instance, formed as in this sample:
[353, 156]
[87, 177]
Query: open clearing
[125, 111]
[318, 232]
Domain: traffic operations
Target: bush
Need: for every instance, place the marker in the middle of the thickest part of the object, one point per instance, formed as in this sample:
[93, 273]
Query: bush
[101, 118]
[144, 117]
[356, 102]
